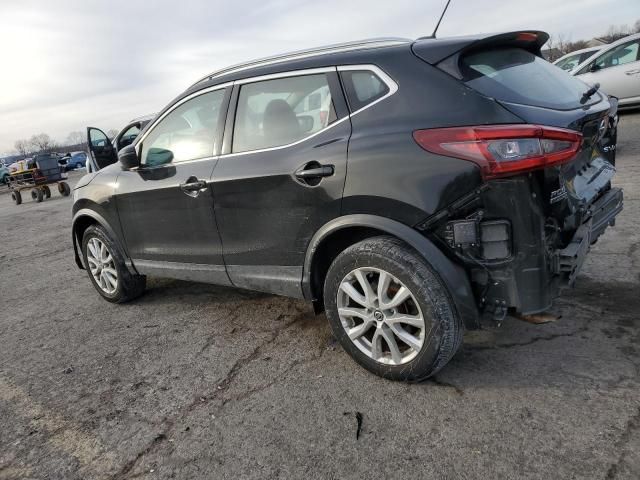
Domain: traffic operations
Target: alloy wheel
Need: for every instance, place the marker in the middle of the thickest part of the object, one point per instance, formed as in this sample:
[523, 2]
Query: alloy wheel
[102, 265]
[381, 316]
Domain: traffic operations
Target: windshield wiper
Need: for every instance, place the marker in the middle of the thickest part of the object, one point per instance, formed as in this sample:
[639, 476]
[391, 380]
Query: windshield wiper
[589, 93]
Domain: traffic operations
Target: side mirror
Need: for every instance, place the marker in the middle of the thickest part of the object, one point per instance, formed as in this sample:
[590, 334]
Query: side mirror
[128, 157]
[156, 157]
[306, 123]
[594, 67]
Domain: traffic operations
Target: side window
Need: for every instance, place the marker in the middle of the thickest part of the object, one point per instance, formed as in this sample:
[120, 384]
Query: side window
[363, 87]
[128, 136]
[625, 53]
[187, 133]
[277, 112]
[97, 138]
[585, 56]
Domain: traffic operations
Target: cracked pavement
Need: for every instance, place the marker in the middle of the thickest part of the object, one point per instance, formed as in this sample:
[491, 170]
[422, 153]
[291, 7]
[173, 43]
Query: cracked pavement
[200, 381]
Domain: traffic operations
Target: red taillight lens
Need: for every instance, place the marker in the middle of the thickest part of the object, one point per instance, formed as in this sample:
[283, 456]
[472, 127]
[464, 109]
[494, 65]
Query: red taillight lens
[503, 150]
[527, 37]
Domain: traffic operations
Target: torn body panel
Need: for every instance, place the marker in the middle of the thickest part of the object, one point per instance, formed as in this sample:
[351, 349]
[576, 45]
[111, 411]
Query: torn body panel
[522, 242]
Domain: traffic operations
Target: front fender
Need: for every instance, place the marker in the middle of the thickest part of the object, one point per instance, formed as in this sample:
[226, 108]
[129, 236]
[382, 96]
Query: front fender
[86, 213]
[453, 275]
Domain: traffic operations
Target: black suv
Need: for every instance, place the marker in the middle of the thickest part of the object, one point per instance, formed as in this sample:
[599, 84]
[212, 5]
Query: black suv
[411, 189]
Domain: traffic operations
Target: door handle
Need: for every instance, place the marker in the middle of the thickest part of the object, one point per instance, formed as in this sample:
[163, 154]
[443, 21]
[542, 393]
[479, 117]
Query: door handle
[314, 172]
[633, 72]
[193, 186]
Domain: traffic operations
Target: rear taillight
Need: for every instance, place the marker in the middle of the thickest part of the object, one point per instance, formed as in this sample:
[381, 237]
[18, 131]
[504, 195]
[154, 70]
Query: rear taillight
[503, 150]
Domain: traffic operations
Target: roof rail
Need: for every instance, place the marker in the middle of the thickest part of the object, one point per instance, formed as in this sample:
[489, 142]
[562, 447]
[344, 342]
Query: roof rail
[337, 48]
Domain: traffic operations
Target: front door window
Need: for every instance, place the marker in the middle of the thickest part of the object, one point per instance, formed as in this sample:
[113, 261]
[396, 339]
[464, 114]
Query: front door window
[187, 133]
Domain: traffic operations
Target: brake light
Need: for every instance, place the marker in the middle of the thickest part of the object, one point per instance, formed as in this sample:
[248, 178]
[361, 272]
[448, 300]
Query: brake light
[527, 36]
[503, 150]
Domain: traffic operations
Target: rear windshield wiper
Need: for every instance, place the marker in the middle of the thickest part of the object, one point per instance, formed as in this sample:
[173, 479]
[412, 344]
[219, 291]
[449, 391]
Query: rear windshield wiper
[589, 93]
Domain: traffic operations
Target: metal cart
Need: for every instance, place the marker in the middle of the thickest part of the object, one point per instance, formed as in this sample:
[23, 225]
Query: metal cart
[47, 172]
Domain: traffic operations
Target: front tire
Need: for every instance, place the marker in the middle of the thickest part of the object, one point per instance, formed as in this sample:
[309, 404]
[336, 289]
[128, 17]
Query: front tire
[390, 311]
[106, 267]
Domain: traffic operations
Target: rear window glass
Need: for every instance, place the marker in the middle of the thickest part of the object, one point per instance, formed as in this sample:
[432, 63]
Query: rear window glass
[517, 76]
[363, 87]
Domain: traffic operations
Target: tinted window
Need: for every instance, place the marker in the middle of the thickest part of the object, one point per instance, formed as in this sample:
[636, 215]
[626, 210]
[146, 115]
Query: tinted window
[518, 76]
[586, 55]
[129, 136]
[625, 53]
[187, 133]
[277, 112]
[363, 87]
[570, 62]
[97, 138]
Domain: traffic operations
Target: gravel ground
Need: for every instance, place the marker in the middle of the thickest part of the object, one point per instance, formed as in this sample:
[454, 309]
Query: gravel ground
[199, 381]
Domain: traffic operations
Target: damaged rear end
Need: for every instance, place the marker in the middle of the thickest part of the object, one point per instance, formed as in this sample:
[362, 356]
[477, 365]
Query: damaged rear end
[546, 195]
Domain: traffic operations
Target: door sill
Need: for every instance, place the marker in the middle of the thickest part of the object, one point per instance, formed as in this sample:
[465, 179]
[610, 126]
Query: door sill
[193, 272]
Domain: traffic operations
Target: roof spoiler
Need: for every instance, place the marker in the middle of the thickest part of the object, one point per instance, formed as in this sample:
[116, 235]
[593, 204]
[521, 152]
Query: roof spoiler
[436, 50]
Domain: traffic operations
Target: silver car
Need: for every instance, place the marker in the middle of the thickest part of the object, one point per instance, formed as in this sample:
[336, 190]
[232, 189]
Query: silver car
[571, 60]
[617, 69]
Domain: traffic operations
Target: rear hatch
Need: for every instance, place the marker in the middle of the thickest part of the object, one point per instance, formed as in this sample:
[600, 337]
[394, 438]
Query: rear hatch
[509, 69]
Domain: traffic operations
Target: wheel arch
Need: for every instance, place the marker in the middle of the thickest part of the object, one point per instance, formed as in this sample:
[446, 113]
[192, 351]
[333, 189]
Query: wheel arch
[341, 232]
[82, 220]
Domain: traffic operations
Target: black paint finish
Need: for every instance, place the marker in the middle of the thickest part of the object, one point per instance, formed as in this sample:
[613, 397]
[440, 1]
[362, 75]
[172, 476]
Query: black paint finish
[256, 224]
[161, 222]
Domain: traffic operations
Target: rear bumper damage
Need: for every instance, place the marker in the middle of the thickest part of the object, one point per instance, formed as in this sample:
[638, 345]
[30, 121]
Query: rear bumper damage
[519, 246]
[568, 261]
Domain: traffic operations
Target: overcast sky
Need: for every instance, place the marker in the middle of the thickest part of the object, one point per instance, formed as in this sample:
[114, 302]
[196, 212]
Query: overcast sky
[68, 64]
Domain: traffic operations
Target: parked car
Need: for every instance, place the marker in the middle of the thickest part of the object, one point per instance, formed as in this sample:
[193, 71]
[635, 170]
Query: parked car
[24, 164]
[616, 68]
[76, 160]
[571, 60]
[446, 182]
[63, 159]
[99, 140]
[4, 174]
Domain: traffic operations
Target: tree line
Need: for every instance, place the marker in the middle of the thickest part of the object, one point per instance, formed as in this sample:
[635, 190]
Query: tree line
[559, 45]
[43, 143]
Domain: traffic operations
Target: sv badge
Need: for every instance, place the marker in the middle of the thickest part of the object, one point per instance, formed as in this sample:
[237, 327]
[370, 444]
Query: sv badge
[558, 195]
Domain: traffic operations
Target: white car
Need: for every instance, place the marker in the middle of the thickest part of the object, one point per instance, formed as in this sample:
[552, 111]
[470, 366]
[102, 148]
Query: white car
[571, 60]
[616, 68]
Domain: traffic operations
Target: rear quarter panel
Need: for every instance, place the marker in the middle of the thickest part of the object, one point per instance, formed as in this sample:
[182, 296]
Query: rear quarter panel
[388, 173]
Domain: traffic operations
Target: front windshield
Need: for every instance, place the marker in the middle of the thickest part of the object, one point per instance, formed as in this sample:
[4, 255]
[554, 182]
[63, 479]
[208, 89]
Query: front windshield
[569, 63]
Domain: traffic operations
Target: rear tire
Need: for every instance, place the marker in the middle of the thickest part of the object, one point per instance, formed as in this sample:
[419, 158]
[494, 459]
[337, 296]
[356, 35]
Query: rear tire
[16, 197]
[412, 304]
[37, 195]
[63, 189]
[107, 271]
